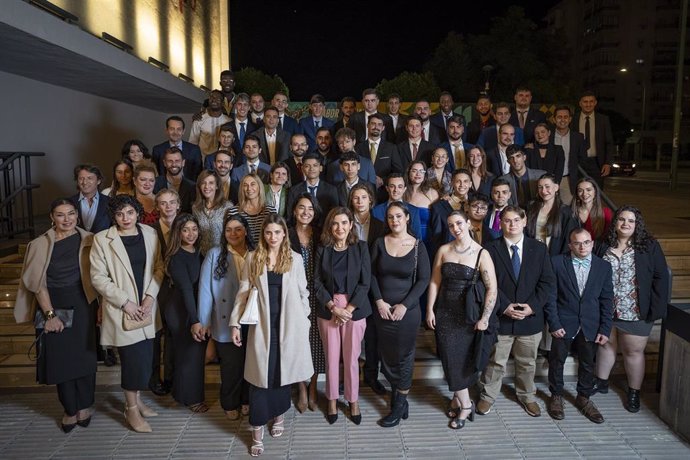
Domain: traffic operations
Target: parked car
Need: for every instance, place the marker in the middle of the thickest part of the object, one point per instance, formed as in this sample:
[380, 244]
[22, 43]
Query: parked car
[622, 167]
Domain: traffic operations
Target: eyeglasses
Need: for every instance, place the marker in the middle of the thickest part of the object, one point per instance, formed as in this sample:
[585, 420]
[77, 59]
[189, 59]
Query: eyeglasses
[479, 207]
[416, 171]
[581, 244]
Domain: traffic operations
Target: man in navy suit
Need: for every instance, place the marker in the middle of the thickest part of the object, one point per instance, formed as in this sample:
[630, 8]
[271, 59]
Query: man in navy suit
[524, 116]
[326, 194]
[275, 144]
[525, 289]
[175, 180]
[395, 185]
[414, 147]
[500, 198]
[174, 128]
[309, 125]
[360, 120]
[253, 164]
[490, 136]
[241, 126]
[430, 133]
[286, 123]
[92, 205]
[383, 154]
[584, 301]
[440, 119]
[458, 150]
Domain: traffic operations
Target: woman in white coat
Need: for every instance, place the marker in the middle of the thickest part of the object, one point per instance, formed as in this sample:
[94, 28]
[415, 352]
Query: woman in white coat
[126, 270]
[278, 352]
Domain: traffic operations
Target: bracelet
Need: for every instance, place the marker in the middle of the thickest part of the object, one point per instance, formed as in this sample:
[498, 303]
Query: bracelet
[50, 314]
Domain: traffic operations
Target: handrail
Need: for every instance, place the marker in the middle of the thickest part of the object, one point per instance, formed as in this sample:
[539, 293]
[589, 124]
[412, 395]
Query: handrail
[607, 199]
[16, 199]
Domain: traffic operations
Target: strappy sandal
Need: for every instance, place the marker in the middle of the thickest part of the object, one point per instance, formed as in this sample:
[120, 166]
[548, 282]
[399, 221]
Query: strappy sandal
[452, 412]
[457, 422]
[278, 427]
[257, 447]
[199, 408]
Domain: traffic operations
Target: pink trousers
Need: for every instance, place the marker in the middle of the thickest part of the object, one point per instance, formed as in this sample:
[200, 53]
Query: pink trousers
[348, 338]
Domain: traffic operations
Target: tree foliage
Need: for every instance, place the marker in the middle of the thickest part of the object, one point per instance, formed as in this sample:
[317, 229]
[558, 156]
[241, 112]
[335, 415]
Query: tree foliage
[250, 80]
[410, 86]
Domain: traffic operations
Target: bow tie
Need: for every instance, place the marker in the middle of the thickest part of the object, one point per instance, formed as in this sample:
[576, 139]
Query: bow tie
[581, 263]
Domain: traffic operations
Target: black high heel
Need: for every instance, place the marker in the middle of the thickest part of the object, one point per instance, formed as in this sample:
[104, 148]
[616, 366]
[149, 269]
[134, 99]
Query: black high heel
[458, 422]
[356, 419]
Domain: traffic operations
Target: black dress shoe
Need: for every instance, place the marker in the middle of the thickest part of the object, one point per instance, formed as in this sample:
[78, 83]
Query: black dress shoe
[332, 418]
[159, 389]
[67, 427]
[356, 419]
[377, 386]
[110, 358]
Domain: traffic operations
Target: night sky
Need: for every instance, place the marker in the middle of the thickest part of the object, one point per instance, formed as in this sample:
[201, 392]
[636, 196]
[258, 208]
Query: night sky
[338, 48]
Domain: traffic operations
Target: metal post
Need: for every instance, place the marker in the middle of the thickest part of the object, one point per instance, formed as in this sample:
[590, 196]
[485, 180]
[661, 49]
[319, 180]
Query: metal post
[679, 96]
[658, 156]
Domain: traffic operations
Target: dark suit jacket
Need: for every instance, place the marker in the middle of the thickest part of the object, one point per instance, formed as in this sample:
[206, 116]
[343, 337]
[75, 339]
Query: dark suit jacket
[306, 127]
[653, 280]
[533, 176]
[191, 154]
[602, 135]
[576, 156]
[326, 195]
[438, 226]
[387, 158]
[474, 129]
[552, 163]
[436, 135]
[334, 174]
[492, 235]
[282, 145]
[377, 229]
[357, 122]
[593, 311]
[250, 128]
[344, 195]
[535, 286]
[424, 150]
[187, 191]
[379, 212]
[290, 125]
[296, 175]
[450, 166]
[400, 128]
[533, 118]
[102, 220]
[489, 137]
[357, 284]
[493, 162]
[438, 120]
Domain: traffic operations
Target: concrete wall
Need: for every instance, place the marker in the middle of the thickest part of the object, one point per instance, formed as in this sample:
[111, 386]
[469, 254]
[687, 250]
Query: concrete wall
[71, 128]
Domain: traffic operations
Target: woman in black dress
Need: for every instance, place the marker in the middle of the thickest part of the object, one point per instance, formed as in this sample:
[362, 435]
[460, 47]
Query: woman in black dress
[56, 274]
[304, 237]
[545, 155]
[400, 273]
[278, 352]
[454, 268]
[183, 262]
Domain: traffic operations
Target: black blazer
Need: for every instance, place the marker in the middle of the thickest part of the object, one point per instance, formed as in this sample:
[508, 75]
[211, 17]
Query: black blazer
[602, 135]
[576, 156]
[187, 192]
[326, 195]
[653, 281]
[377, 229]
[437, 135]
[438, 226]
[552, 163]
[250, 128]
[424, 150]
[357, 122]
[296, 174]
[401, 128]
[474, 128]
[282, 145]
[191, 154]
[533, 118]
[593, 311]
[102, 220]
[358, 279]
[536, 285]
[493, 162]
[387, 158]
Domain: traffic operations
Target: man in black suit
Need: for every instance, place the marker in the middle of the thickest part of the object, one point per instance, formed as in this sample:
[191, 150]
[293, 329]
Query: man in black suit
[596, 128]
[92, 205]
[483, 120]
[360, 120]
[275, 144]
[440, 118]
[525, 289]
[174, 128]
[414, 147]
[496, 158]
[575, 150]
[175, 180]
[523, 180]
[347, 106]
[399, 119]
[325, 147]
[325, 193]
[298, 148]
[490, 137]
[524, 116]
[383, 154]
[430, 133]
[257, 106]
[584, 302]
[286, 123]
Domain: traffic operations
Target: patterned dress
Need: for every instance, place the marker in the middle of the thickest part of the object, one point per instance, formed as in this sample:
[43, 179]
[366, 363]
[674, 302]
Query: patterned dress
[317, 355]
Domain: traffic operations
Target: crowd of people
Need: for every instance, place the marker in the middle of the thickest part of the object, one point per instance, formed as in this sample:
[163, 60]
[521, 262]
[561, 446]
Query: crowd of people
[278, 246]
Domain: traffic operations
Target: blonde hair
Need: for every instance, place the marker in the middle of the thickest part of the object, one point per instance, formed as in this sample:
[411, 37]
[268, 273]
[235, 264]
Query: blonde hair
[260, 259]
[242, 199]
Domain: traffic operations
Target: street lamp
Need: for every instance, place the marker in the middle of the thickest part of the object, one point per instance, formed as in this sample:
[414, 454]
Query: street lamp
[643, 114]
[487, 73]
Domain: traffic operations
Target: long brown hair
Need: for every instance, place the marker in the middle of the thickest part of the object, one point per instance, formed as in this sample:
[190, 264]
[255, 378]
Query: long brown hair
[175, 241]
[596, 214]
[553, 220]
[482, 167]
[200, 201]
[260, 259]
[423, 187]
[327, 233]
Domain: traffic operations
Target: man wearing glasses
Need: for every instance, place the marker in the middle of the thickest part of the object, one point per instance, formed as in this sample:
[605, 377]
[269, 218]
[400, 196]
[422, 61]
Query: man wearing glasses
[584, 301]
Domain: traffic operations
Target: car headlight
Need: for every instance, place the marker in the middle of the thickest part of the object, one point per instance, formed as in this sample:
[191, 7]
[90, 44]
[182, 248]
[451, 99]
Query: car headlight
[616, 165]
[634, 165]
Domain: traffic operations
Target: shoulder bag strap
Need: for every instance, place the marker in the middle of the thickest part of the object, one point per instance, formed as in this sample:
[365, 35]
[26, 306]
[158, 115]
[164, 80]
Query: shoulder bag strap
[475, 277]
[416, 256]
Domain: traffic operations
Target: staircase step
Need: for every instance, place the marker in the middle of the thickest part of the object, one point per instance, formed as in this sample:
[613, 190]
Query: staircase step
[676, 245]
[11, 270]
[21, 249]
[681, 285]
[678, 261]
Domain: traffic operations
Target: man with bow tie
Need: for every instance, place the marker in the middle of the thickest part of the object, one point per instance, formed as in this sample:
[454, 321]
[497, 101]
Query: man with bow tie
[584, 301]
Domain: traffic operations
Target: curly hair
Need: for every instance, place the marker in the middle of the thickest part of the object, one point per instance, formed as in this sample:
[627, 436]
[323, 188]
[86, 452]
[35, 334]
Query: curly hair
[284, 261]
[222, 263]
[119, 202]
[641, 237]
[175, 241]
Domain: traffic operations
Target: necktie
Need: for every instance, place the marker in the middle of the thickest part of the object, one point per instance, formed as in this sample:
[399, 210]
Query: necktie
[372, 151]
[515, 260]
[424, 135]
[523, 115]
[252, 169]
[414, 150]
[243, 131]
[496, 226]
[459, 156]
[587, 129]
[581, 267]
[312, 190]
[316, 125]
[281, 123]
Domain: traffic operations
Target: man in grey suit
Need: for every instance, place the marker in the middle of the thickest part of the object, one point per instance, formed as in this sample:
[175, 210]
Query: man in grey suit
[522, 180]
[596, 128]
[275, 143]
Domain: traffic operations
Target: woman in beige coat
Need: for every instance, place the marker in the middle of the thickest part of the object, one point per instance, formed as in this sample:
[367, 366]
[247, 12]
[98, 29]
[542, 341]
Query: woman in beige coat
[126, 269]
[55, 282]
[278, 352]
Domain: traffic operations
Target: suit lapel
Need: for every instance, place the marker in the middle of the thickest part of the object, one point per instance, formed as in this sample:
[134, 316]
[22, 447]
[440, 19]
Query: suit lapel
[568, 261]
[504, 255]
[120, 252]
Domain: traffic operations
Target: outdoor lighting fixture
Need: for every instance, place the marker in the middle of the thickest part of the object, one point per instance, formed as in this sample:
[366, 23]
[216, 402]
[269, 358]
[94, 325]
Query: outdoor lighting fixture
[116, 42]
[624, 69]
[161, 65]
[55, 10]
[185, 78]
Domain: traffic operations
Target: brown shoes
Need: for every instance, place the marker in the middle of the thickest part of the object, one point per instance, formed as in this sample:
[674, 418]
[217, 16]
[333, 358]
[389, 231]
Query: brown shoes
[483, 407]
[532, 408]
[555, 407]
[588, 409]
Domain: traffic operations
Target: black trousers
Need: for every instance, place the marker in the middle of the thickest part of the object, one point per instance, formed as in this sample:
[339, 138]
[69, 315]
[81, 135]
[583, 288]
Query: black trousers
[593, 170]
[163, 342]
[586, 351]
[234, 390]
[77, 394]
[371, 350]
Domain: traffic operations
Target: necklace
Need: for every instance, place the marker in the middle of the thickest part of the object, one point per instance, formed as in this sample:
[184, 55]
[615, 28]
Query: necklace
[462, 251]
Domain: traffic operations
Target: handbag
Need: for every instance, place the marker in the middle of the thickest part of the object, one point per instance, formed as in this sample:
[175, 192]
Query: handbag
[474, 296]
[130, 324]
[66, 315]
[250, 316]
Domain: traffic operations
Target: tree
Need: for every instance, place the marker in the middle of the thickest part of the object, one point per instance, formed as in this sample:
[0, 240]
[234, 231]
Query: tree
[250, 80]
[453, 68]
[410, 86]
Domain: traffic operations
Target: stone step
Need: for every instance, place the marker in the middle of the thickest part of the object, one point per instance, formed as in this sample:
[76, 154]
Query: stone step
[11, 270]
[678, 261]
[21, 249]
[675, 245]
[681, 285]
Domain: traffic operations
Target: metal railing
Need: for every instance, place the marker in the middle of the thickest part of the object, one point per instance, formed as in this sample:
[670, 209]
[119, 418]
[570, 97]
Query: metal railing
[605, 198]
[16, 201]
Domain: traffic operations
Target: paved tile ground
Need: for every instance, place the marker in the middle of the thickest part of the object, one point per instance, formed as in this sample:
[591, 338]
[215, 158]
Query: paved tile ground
[29, 430]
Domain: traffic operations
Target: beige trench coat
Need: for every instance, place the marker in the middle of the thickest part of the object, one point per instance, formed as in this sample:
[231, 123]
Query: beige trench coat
[295, 353]
[112, 277]
[33, 279]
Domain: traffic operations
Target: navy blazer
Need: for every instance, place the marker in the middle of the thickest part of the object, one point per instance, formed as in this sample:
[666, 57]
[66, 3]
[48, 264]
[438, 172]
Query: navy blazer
[439, 121]
[493, 234]
[289, 125]
[533, 118]
[474, 128]
[236, 147]
[357, 284]
[438, 226]
[191, 154]
[593, 311]
[489, 137]
[653, 281]
[367, 173]
[187, 191]
[306, 127]
[102, 220]
[535, 286]
[387, 158]
[450, 166]
[379, 212]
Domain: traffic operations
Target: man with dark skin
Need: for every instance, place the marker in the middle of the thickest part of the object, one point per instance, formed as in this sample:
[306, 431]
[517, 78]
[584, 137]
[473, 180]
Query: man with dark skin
[485, 118]
[227, 87]
[204, 131]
